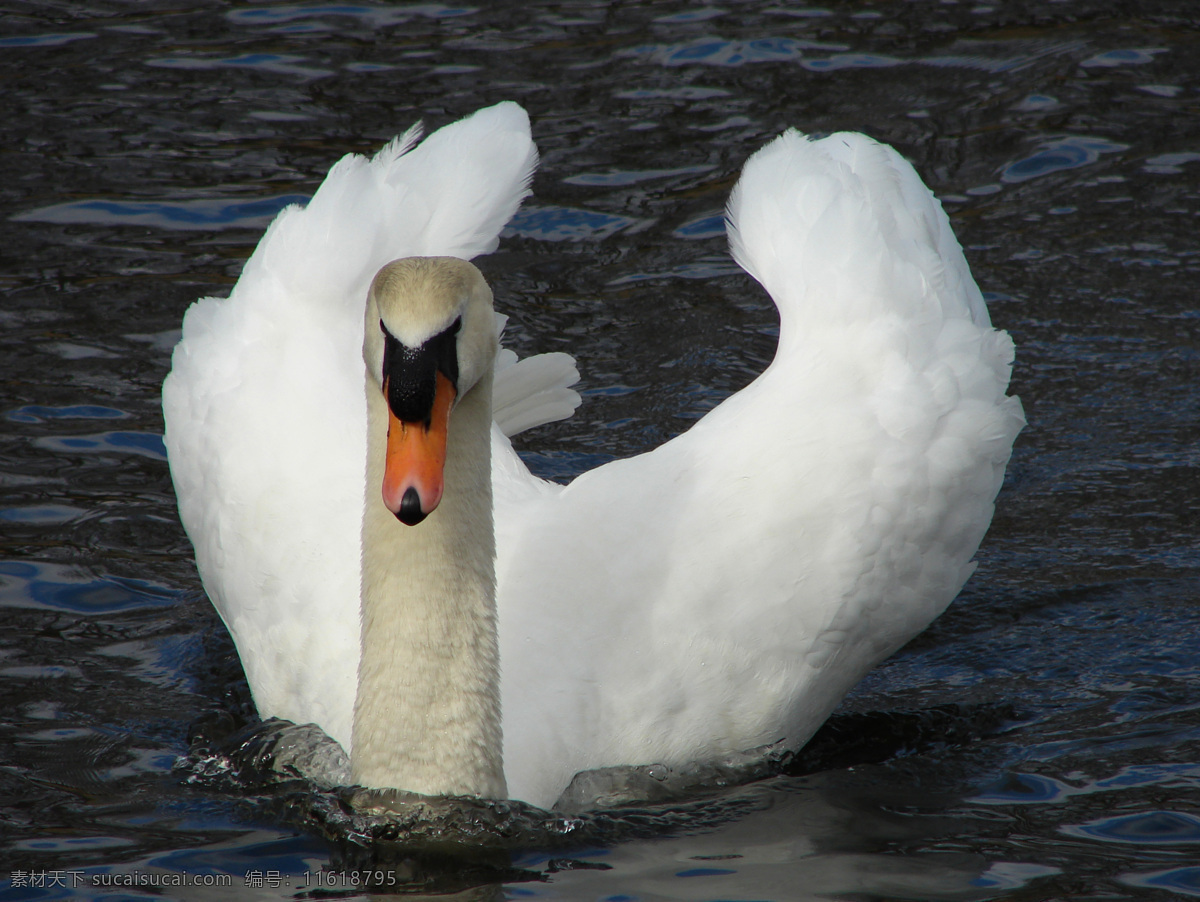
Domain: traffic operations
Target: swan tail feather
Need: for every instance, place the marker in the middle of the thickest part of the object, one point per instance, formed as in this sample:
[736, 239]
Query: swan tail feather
[843, 229]
[533, 391]
[470, 204]
[449, 195]
[878, 309]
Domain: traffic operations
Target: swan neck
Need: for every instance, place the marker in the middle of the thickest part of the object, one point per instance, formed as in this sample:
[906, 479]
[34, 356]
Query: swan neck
[427, 714]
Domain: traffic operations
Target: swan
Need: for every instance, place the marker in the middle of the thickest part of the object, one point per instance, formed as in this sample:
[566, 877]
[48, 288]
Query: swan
[390, 570]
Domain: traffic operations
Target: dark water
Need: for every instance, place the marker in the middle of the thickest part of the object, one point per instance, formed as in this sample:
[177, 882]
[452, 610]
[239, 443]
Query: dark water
[1040, 741]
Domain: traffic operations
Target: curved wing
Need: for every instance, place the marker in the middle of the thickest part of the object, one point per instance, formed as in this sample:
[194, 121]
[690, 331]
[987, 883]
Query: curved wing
[265, 411]
[725, 590]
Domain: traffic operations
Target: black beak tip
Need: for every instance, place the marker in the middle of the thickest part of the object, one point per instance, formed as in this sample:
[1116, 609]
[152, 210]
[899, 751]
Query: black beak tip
[410, 513]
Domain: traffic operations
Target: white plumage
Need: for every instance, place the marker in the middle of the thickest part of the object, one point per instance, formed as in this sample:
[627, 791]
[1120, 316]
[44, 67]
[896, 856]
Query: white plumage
[721, 592]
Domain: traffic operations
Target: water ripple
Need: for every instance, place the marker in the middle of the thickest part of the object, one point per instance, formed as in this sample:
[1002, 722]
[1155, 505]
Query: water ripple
[41, 515]
[25, 584]
[1012, 875]
[37, 413]
[1145, 827]
[1127, 57]
[376, 16]
[704, 268]
[105, 676]
[1184, 880]
[702, 14]
[550, 223]
[711, 226]
[46, 40]
[1067, 153]
[145, 444]
[839, 61]
[1153, 775]
[208, 214]
[685, 92]
[275, 63]
[622, 177]
[1037, 103]
[715, 51]
[1017, 788]
[1170, 163]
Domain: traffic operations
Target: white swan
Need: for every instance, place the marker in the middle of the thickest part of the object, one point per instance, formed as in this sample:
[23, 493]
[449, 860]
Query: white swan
[719, 593]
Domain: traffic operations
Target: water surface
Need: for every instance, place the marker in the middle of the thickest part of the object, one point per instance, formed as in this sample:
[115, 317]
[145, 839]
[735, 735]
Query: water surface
[1040, 741]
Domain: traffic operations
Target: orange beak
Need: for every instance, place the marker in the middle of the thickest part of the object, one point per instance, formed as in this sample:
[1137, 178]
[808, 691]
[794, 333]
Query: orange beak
[416, 457]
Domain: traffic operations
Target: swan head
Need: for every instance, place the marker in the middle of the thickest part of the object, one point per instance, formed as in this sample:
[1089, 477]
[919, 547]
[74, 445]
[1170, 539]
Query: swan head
[430, 337]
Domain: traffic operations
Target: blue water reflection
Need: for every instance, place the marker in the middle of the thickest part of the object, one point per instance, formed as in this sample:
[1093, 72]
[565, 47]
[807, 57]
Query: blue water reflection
[705, 872]
[1167, 91]
[144, 444]
[275, 63]
[708, 267]
[551, 223]
[1184, 880]
[1125, 57]
[26, 584]
[1066, 153]
[37, 413]
[1179, 774]
[713, 51]
[1170, 163]
[712, 226]
[840, 61]
[546, 223]
[55, 890]
[72, 843]
[41, 514]
[622, 177]
[378, 16]
[46, 40]
[685, 92]
[1012, 875]
[1017, 788]
[820, 56]
[208, 214]
[703, 14]
[1036, 103]
[1144, 827]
